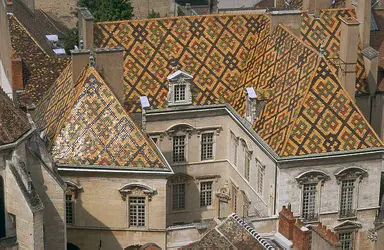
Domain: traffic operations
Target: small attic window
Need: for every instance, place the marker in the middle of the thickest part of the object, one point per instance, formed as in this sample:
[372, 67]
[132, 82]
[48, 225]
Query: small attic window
[179, 93]
[179, 89]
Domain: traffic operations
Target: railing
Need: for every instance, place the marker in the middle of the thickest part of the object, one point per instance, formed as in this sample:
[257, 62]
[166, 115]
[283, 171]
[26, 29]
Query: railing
[310, 217]
[346, 213]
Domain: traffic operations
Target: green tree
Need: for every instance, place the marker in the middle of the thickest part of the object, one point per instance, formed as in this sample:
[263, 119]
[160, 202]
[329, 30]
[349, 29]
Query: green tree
[70, 40]
[108, 10]
[154, 14]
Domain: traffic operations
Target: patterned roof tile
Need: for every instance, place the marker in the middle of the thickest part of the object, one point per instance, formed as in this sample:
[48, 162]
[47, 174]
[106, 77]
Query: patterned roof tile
[86, 125]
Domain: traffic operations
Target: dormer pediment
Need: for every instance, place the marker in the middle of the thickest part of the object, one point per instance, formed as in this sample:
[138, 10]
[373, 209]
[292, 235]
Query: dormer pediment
[179, 88]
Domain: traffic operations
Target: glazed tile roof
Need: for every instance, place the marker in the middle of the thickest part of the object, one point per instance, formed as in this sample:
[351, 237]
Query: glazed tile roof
[40, 70]
[308, 112]
[226, 53]
[212, 48]
[328, 26]
[13, 122]
[231, 233]
[85, 124]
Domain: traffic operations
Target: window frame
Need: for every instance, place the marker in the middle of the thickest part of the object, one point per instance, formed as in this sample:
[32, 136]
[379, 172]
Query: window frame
[247, 164]
[179, 89]
[261, 169]
[212, 143]
[72, 202]
[184, 149]
[235, 148]
[205, 205]
[145, 210]
[309, 215]
[351, 213]
[172, 196]
[351, 240]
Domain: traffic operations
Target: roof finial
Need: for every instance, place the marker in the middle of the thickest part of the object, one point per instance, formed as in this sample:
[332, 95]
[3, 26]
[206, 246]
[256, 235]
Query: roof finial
[81, 43]
[91, 60]
[322, 47]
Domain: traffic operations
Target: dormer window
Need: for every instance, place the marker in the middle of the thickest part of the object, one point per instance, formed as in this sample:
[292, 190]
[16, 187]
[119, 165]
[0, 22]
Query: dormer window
[179, 91]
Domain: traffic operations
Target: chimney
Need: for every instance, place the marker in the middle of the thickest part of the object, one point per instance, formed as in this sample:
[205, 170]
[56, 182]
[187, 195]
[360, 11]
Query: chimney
[348, 54]
[371, 62]
[363, 11]
[144, 106]
[109, 63]
[80, 59]
[251, 105]
[286, 222]
[315, 6]
[188, 10]
[85, 28]
[17, 74]
[213, 7]
[290, 18]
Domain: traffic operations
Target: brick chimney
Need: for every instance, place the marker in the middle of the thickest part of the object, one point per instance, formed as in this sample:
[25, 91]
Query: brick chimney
[323, 238]
[363, 12]
[290, 18]
[286, 222]
[85, 28]
[80, 59]
[109, 63]
[300, 236]
[17, 74]
[348, 54]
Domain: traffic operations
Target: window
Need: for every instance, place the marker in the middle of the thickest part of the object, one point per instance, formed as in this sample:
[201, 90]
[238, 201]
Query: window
[137, 211]
[179, 93]
[206, 193]
[69, 208]
[179, 148]
[346, 204]
[247, 165]
[346, 240]
[207, 146]
[234, 199]
[235, 144]
[260, 178]
[309, 201]
[178, 196]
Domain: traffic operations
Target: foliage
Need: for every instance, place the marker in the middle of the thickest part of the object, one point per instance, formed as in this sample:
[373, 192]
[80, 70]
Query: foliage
[180, 12]
[71, 39]
[154, 14]
[108, 10]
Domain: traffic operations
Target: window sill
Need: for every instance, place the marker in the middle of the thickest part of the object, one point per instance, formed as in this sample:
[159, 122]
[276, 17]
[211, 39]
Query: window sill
[347, 218]
[175, 164]
[179, 211]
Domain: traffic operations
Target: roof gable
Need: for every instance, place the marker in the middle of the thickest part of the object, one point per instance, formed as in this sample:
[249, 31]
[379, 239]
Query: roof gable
[13, 122]
[96, 130]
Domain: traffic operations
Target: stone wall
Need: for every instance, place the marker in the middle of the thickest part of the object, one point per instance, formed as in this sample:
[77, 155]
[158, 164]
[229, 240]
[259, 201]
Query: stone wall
[101, 213]
[141, 8]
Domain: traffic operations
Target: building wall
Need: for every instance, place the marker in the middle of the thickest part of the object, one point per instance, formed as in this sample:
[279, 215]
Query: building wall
[5, 51]
[223, 169]
[52, 194]
[289, 191]
[141, 8]
[29, 235]
[101, 214]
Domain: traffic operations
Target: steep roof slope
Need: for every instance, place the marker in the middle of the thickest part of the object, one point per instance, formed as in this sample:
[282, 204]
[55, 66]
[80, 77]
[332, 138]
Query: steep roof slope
[307, 110]
[212, 48]
[13, 122]
[328, 27]
[39, 69]
[87, 125]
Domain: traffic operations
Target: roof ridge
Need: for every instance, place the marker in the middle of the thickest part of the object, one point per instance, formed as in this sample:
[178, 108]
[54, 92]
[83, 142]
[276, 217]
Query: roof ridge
[179, 17]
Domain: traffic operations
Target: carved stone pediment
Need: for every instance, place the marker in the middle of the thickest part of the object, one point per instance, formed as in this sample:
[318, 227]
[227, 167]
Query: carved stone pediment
[312, 176]
[180, 178]
[183, 128]
[136, 189]
[351, 173]
[224, 193]
[73, 188]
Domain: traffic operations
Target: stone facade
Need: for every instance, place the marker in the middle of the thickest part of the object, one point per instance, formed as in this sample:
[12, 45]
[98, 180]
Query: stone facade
[101, 211]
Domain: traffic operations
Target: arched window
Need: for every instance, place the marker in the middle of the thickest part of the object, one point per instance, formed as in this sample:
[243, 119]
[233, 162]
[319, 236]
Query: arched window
[138, 196]
[349, 179]
[310, 183]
